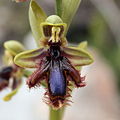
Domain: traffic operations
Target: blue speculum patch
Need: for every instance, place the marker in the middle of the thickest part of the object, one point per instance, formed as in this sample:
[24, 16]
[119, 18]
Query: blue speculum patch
[57, 80]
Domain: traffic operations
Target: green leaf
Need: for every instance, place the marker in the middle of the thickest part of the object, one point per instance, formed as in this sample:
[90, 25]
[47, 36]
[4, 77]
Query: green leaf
[36, 17]
[30, 58]
[69, 8]
[78, 56]
[14, 47]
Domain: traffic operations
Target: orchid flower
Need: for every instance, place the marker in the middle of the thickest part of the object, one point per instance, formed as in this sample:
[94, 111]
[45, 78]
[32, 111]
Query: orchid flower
[56, 63]
[11, 74]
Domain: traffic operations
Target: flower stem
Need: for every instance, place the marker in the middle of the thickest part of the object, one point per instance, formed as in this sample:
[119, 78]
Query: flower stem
[59, 7]
[56, 114]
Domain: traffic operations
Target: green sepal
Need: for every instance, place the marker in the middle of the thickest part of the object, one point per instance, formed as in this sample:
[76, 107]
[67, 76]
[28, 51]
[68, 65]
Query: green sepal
[14, 47]
[36, 17]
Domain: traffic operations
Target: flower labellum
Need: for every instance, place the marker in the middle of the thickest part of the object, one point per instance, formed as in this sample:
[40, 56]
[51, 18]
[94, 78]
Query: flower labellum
[57, 71]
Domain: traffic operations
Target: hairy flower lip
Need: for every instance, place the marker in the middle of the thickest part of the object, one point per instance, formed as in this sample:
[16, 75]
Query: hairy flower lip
[42, 60]
[55, 68]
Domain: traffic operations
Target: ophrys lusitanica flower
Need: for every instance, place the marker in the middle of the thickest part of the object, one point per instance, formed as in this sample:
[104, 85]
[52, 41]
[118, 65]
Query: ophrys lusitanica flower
[11, 74]
[56, 63]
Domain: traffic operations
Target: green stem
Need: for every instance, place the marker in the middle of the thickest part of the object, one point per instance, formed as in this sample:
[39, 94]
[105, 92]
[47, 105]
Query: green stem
[56, 114]
[59, 7]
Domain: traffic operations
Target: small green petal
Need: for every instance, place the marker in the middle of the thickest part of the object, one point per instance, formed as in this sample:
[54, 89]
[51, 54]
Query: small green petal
[30, 58]
[36, 17]
[83, 45]
[14, 47]
[9, 96]
[78, 57]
